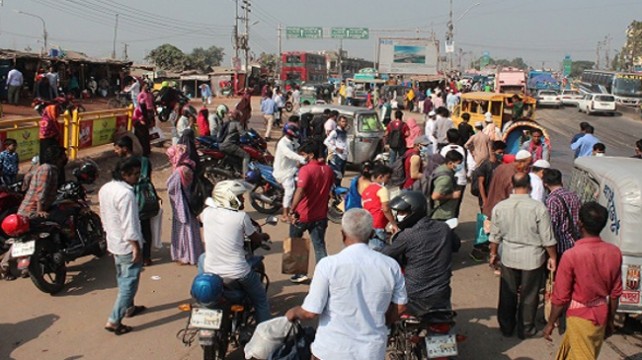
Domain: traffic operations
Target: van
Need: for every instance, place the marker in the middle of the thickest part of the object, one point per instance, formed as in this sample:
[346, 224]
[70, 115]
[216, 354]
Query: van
[597, 103]
[616, 183]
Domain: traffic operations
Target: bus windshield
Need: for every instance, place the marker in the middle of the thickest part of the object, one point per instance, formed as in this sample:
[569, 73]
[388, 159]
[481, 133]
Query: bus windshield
[628, 86]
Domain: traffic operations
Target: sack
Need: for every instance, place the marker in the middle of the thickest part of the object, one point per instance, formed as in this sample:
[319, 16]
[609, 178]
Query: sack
[156, 224]
[296, 254]
[395, 138]
[481, 236]
[296, 345]
[201, 189]
[156, 135]
[398, 176]
[267, 337]
[146, 196]
[548, 295]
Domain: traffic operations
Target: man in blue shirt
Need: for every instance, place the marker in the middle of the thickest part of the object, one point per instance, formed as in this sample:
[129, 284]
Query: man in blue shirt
[584, 145]
[267, 108]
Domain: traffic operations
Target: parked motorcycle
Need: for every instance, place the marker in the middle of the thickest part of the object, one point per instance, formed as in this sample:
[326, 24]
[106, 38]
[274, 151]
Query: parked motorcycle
[267, 195]
[229, 319]
[64, 102]
[428, 337]
[10, 198]
[44, 246]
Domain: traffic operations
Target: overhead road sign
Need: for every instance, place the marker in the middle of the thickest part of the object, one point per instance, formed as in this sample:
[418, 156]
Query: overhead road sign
[296, 32]
[350, 33]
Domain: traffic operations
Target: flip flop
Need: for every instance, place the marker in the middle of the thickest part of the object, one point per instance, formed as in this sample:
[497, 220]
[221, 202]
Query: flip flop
[133, 311]
[119, 330]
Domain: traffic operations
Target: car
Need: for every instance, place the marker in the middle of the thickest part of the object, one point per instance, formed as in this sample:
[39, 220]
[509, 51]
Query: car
[571, 97]
[597, 103]
[549, 98]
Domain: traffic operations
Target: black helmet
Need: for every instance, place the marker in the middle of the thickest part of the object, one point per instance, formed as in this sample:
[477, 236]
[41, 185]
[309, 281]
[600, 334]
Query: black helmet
[412, 202]
[87, 173]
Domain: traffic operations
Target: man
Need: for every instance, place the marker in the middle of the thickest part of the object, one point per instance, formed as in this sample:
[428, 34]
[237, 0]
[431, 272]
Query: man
[638, 149]
[501, 184]
[286, 163]
[43, 186]
[119, 214]
[564, 207]
[491, 129]
[461, 171]
[413, 163]
[268, 107]
[523, 227]
[230, 139]
[396, 133]
[584, 145]
[386, 112]
[14, 86]
[429, 130]
[483, 174]
[279, 102]
[465, 130]
[349, 95]
[588, 284]
[206, 94]
[451, 100]
[331, 124]
[518, 107]
[536, 174]
[356, 294]
[375, 199]
[446, 194]
[337, 145]
[225, 226]
[423, 248]
[53, 78]
[599, 150]
[427, 107]
[479, 145]
[442, 125]
[133, 88]
[296, 99]
[583, 126]
[539, 149]
[310, 203]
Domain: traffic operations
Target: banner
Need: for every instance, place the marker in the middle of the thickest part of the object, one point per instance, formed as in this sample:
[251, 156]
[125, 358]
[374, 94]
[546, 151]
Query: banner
[101, 131]
[408, 56]
[28, 142]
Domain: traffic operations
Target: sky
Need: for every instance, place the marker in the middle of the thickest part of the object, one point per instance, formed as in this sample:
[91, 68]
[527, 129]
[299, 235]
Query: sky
[542, 32]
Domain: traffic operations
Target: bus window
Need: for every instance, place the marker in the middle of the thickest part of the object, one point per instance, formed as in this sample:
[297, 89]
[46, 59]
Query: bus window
[465, 106]
[584, 186]
[496, 108]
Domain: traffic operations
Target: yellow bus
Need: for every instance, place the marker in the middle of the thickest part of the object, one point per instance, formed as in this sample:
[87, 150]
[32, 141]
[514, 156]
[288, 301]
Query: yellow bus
[477, 104]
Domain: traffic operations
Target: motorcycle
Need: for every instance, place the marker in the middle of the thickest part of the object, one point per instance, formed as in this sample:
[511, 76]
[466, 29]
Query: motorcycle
[336, 206]
[231, 320]
[430, 337]
[10, 198]
[43, 246]
[166, 109]
[267, 195]
[64, 102]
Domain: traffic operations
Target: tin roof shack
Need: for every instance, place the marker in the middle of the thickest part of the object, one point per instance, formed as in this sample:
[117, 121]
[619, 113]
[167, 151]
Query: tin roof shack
[191, 80]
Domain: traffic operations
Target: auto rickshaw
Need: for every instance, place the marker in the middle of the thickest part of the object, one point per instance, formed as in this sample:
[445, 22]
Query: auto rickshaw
[477, 104]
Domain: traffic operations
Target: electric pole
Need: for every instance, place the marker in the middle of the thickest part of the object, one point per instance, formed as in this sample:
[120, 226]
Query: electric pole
[449, 37]
[125, 55]
[279, 34]
[246, 37]
[113, 49]
[236, 36]
[597, 55]
[607, 51]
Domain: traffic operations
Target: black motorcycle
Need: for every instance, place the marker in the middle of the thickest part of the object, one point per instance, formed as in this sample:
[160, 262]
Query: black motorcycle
[72, 231]
[231, 320]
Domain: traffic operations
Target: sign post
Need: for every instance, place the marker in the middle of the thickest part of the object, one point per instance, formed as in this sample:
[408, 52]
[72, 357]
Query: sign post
[296, 32]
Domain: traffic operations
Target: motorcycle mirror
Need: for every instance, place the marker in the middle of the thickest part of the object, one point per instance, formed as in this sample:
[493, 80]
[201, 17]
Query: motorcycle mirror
[272, 220]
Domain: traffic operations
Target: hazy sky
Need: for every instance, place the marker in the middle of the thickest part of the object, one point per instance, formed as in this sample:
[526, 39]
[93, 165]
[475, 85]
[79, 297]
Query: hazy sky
[537, 30]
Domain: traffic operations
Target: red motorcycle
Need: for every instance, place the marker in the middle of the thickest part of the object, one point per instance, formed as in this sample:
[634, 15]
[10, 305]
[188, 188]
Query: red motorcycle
[64, 102]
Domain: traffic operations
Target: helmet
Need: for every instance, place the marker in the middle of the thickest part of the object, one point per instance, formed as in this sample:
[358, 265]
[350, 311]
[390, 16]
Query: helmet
[253, 176]
[87, 173]
[226, 193]
[221, 111]
[15, 225]
[164, 84]
[189, 111]
[412, 202]
[207, 288]
[291, 130]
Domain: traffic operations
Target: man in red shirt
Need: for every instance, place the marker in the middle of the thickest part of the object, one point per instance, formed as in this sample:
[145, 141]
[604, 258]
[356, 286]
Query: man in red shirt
[310, 203]
[589, 284]
[396, 133]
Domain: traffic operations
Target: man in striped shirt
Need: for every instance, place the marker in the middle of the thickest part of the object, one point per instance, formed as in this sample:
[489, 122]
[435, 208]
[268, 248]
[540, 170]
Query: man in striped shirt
[564, 208]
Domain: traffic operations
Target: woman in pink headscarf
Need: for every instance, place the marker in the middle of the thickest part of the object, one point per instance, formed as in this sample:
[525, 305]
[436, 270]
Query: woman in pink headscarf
[415, 132]
[186, 235]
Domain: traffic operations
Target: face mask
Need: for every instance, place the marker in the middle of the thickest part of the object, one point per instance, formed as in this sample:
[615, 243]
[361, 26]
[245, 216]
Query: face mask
[400, 218]
[424, 151]
[599, 154]
[459, 167]
[499, 157]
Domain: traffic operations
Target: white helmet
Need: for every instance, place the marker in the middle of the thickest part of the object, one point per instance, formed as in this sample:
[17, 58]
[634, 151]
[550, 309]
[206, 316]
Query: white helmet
[226, 193]
[221, 111]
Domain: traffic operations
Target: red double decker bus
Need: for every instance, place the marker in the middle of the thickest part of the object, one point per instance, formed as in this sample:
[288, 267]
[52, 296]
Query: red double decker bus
[299, 67]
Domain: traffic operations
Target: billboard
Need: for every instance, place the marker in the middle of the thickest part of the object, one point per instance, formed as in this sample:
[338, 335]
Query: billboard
[408, 56]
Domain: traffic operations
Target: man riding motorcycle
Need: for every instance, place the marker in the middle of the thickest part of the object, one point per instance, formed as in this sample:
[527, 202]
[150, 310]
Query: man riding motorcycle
[225, 227]
[230, 137]
[423, 248]
[216, 119]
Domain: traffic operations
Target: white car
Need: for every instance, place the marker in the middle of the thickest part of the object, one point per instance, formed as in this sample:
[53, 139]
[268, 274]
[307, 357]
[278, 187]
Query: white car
[597, 103]
[571, 97]
[549, 98]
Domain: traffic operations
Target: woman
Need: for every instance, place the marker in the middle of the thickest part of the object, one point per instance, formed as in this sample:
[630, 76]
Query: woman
[50, 132]
[186, 236]
[186, 121]
[415, 132]
[245, 107]
[202, 122]
[357, 185]
[141, 130]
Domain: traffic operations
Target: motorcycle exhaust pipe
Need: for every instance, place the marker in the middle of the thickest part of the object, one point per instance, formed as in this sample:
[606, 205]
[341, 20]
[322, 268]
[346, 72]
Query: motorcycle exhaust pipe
[262, 198]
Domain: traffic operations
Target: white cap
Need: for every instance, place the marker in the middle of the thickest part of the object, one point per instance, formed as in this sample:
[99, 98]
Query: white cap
[542, 164]
[522, 155]
[432, 113]
[479, 124]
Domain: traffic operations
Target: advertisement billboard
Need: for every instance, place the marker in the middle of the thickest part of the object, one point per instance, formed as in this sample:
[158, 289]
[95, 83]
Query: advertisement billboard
[408, 56]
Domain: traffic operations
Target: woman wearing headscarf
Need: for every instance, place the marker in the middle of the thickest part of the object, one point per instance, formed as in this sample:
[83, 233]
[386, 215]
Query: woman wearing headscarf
[141, 130]
[245, 108]
[50, 132]
[415, 132]
[186, 236]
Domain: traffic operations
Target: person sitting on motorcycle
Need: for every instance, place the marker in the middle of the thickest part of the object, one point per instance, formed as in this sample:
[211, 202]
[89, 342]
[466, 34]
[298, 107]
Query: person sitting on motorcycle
[286, 161]
[225, 228]
[43, 186]
[186, 121]
[216, 120]
[229, 139]
[424, 248]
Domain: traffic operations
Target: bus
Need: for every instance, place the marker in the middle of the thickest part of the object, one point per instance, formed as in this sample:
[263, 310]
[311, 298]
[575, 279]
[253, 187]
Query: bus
[302, 67]
[625, 87]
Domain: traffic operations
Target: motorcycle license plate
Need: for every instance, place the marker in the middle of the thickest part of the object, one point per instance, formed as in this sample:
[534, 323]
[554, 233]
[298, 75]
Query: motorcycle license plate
[23, 248]
[441, 346]
[206, 318]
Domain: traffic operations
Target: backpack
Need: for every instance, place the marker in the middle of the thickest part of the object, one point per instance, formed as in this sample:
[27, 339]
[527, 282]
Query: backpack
[201, 189]
[425, 184]
[146, 196]
[395, 138]
[398, 176]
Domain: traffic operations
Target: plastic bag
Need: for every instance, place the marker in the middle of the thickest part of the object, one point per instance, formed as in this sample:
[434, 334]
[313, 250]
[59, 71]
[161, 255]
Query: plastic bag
[156, 223]
[268, 336]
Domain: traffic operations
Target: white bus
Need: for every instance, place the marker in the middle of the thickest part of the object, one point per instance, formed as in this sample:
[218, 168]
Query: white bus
[626, 87]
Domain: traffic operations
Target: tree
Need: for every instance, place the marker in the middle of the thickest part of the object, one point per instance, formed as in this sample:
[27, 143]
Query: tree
[631, 53]
[519, 63]
[578, 67]
[168, 57]
[268, 61]
[202, 59]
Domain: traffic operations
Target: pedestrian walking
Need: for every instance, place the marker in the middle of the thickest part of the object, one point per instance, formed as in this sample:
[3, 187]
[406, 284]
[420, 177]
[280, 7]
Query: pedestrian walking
[491, 129]
[338, 150]
[396, 133]
[206, 94]
[414, 132]
[564, 208]
[54, 82]
[523, 227]
[50, 132]
[501, 185]
[465, 130]
[413, 163]
[268, 107]
[443, 123]
[461, 170]
[536, 174]
[583, 146]
[15, 80]
[244, 107]
[376, 200]
[479, 145]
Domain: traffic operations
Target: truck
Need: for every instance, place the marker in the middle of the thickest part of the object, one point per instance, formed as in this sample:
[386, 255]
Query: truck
[510, 81]
[542, 80]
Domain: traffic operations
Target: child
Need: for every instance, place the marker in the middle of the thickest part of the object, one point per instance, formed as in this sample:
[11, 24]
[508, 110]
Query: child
[9, 162]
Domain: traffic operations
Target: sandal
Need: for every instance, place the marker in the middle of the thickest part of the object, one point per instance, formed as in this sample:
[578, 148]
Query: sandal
[119, 330]
[134, 310]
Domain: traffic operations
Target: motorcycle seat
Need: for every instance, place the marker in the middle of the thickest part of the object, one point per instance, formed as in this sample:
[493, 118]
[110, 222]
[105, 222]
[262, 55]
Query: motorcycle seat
[254, 261]
[340, 190]
[234, 296]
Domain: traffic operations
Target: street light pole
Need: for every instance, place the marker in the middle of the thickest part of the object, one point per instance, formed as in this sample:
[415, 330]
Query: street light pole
[450, 34]
[44, 27]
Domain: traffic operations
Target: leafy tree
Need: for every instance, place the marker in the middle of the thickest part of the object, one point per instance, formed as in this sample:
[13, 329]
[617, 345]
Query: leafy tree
[519, 63]
[168, 57]
[268, 61]
[578, 67]
[631, 53]
[202, 59]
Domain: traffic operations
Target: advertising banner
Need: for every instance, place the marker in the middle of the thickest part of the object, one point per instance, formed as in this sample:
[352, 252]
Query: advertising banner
[27, 138]
[101, 131]
[408, 56]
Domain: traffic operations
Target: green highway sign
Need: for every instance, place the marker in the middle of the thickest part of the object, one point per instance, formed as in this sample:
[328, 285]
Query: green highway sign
[295, 32]
[350, 33]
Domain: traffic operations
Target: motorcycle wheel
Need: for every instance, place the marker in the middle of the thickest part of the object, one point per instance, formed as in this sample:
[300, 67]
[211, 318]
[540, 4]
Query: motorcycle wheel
[216, 351]
[289, 107]
[335, 214]
[264, 207]
[96, 234]
[163, 116]
[113, 104]
[48, 276]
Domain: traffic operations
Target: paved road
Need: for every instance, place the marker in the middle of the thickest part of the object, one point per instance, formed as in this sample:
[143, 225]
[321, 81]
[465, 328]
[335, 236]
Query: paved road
[34, 325]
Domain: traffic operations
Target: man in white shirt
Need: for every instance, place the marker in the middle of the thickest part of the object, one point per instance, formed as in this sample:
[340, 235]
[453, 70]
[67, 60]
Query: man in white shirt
[367, 292]
[133, 89]
[296, 99]
[429, 130]
[14, 84]
[119, 214]
[331, 124]
[286, 163]
[536, 175]
[349, 95]
[53, 78]
[442, 125]
[225, 227]
[337, 144]
[461, 172]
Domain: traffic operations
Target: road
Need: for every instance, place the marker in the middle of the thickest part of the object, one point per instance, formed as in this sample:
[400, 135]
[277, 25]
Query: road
[34, 325]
